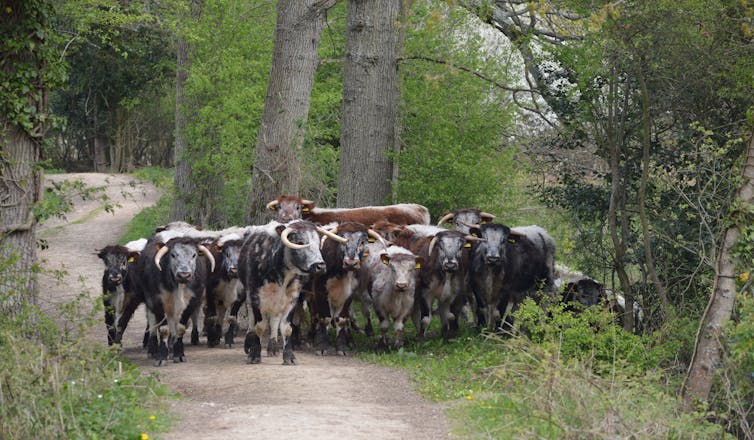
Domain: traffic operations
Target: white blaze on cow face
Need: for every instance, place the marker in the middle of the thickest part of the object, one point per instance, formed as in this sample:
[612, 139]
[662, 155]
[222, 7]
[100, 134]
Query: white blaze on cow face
[182, 263]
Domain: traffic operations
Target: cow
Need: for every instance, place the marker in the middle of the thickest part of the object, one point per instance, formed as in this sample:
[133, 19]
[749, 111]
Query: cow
[390, 277]
[505, 268]
[223, 289]
[332, 291]
[173, 276]
[466, 218]
[443, 278]
[270, 266]
[289, 208]
[119, 288]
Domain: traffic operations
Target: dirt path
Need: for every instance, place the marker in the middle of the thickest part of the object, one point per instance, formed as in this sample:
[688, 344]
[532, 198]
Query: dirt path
[223, 397]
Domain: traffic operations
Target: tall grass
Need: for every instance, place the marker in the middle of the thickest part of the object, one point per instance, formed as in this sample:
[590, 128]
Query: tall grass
[563, 377]
[57, 382]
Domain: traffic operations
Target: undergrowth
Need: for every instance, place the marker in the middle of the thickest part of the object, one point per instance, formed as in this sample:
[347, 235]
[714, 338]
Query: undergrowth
[560, 376]
[57, 382]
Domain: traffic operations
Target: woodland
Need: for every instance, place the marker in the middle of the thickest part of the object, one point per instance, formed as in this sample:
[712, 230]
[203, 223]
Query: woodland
[625, 128]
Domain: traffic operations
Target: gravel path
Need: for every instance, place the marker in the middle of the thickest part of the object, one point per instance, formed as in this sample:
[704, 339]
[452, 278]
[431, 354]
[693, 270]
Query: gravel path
[222, 396]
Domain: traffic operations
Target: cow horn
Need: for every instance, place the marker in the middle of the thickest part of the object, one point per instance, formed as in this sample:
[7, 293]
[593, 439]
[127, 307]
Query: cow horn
[374, 234]
[447, 217]
[487, 215]
[431, 246]
[472, 238]
[158, 256]
[271, 206]
[306, 202]
[287, 243]
[471, 225]
[209, 255]
[335, 237]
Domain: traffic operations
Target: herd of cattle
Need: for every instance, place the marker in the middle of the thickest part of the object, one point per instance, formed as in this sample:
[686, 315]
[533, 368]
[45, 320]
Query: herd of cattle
[388, 258]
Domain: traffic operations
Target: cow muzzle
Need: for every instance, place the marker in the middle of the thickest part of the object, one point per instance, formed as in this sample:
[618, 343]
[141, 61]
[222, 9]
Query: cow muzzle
[450, 266]
[184, 277]
[317, 267]
[492, 260]
[233, 272]
[401, 286]
[351, 264]
[116, 279]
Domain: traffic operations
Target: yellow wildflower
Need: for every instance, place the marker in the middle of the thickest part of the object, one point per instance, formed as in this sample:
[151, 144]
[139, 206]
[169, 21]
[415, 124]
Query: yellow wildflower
[144, 436]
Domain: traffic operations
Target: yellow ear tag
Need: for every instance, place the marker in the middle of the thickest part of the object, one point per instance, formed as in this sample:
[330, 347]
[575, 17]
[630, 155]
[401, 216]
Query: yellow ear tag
[131, 260]
[483, 222]
[467, 245]
[304, 209]
[510, 240]
[418, 266]
[371, 239]
[474, 234]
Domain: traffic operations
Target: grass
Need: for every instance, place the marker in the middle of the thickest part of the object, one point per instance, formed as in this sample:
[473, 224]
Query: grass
[570, 384]
[58, 382]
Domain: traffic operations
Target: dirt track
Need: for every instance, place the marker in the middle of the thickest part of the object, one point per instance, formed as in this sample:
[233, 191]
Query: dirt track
[223, 397]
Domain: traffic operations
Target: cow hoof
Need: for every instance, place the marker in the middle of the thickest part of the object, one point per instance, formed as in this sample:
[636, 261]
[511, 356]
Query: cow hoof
[321, 352]
[228, 346]
[158, 363]
[253, 360]
[289, 360]
[341, 353]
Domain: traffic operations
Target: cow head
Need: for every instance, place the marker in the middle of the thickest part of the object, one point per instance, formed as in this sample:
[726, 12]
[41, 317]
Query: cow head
[289, 208]
[180, 255]
[230, 249]
[301, 241]
[403, 267]
[116, 259]
[585, 291]
[449, 246]
[464, 219]
[492, 243]
[354, 249]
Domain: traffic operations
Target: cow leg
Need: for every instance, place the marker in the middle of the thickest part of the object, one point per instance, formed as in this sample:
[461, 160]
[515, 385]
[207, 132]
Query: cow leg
[150, 335]
[342, 334]
[129, 308]
[272, 343]
[179, 354]
[384, 327]
[367, 314]
[253, 348]
[398, 333]
[446, 317]
[161, 354]
[286, 330]
[195, 327]
[233, 321]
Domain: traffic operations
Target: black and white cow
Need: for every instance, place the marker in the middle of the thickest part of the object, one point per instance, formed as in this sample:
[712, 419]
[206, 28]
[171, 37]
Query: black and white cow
[466, 218]
[333, 290]
[173, 277]
[223, 289]
[120, 292]
[505, 268]
[271, 264]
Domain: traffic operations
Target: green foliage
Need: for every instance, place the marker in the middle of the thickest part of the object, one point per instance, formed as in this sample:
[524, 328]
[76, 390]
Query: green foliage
[515, 388]
[32, 63]
[59, 383]
[143, 223]
[453, 122]
[59, 196]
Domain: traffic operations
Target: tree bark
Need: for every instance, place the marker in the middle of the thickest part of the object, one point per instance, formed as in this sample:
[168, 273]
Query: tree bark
[20, 187]
[182, 176]
[370, 101]
[286, 107]
[100, 141]
[708, 346]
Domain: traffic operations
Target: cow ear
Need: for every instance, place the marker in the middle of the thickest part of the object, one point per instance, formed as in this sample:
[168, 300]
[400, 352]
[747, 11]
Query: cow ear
[419, 262]
[385, 258]
[307, 207]
[133, 256]
[279, 229]
[475, 232]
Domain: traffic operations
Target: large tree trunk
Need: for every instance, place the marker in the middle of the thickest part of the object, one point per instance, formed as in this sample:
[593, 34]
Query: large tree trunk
[708, 346]
[100, 140]
[286, 106]
[182, 175]
[20, 186]
[370, 101]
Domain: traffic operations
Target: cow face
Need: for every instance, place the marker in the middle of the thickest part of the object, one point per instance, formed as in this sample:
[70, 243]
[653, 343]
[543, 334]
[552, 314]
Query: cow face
[449, 247]
[403, 269]
[464, 219]
[181, 261]
[354, 249]
[585, 291]
[116, 261]
[305, 255]
[230, 252]
[289, 208]
[493, 240]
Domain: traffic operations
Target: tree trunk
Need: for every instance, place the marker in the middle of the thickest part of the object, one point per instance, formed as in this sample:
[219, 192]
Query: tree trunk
[286, 105]
[708, 346]
[182, 176]
[20, 187]
[100, 142]
[370, 101]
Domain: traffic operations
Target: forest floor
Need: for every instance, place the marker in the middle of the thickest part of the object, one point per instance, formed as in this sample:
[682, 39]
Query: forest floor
[221, 396]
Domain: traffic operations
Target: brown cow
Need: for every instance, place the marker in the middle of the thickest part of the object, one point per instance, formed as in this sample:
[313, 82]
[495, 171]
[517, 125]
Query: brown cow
[291, 208]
